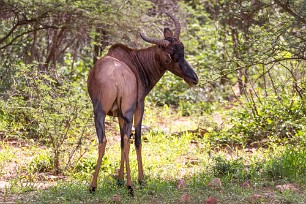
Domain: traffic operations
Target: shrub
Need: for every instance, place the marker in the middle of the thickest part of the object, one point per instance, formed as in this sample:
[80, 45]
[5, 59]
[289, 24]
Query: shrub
[280, 116]
[234, 169]
[50, 108]
[291, 164]
[168, 90]
[41, 163]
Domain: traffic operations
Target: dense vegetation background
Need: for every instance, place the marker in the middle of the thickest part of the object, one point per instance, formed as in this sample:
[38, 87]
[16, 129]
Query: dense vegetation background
[250, 57]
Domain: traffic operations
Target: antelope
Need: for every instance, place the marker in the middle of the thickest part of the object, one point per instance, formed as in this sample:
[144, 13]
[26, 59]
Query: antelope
[119, 83]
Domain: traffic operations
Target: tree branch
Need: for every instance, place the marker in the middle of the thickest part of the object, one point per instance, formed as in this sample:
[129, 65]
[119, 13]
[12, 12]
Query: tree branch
[25, 21]
[256, 63]
[24, 33]
[290, 11]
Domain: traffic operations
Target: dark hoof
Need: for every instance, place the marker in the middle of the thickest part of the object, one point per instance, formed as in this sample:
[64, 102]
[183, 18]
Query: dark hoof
[131, 191]
[92, 189]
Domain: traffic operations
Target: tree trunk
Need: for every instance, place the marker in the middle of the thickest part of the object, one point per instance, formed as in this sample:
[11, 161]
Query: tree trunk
[56, 166]
[101, 41]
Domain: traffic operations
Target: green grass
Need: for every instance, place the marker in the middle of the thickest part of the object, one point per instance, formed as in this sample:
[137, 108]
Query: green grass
[160, 191]
[6, 155]
[169, 153]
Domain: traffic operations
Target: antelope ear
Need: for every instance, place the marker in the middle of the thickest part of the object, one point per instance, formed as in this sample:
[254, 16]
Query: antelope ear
[168, 33]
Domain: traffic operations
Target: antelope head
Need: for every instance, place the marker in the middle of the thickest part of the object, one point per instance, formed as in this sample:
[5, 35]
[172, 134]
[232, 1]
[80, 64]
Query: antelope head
[172, 55]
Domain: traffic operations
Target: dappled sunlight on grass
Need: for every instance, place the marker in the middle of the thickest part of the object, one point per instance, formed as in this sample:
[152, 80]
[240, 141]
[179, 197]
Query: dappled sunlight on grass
[168, 156]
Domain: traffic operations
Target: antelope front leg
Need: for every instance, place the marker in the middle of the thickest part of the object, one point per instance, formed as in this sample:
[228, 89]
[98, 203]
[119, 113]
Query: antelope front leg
[126, 150]
[120, 178]
[138, 147]
[125, 131]
[137, 124]
[140, 167]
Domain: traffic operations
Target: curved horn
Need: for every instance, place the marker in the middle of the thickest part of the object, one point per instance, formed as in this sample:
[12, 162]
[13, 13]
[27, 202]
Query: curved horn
[177, 26]
[164, 43]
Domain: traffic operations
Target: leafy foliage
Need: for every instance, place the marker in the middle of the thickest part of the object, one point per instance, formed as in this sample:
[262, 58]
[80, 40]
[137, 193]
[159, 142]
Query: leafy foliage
[52, 111]
[249, 55]
[274, 116]
[289, 165]
[42, 163]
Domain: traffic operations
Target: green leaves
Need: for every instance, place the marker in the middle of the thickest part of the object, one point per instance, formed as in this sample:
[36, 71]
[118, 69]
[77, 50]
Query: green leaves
[52, 110]
[280, 116]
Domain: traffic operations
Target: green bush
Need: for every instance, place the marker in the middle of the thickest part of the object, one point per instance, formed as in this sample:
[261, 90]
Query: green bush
[291, 164]
[86, 165]
[280, 116]
[232, 169]
[41, 163]
[168, 90]
[49, 108]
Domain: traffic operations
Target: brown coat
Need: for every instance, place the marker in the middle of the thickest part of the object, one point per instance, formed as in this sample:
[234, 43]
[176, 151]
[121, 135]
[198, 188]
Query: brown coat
[119, 82]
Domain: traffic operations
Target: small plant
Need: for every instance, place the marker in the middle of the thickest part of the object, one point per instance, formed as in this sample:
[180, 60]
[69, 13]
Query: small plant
[86, 165]
[5, 156]
[274, 116]
[291, 164]
[53, 110]
[167, 91]
[223, 167]
[41, 163]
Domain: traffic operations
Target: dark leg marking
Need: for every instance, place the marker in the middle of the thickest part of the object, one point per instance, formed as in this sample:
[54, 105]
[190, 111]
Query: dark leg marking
[99, 120]
[100, 129]
[131, 191]
[92, 189]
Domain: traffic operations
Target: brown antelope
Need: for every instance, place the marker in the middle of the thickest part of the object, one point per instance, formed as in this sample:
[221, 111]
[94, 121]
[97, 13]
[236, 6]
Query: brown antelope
[119, 83]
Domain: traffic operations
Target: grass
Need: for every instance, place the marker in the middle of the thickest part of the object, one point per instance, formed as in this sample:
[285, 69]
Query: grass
[170, 152]
[5, 155]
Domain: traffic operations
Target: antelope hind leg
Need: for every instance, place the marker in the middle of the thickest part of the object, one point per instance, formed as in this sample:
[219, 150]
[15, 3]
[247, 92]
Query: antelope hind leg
[101, 150]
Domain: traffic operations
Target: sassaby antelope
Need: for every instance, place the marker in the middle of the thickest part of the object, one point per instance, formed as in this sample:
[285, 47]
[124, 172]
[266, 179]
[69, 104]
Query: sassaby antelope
[119, 83]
